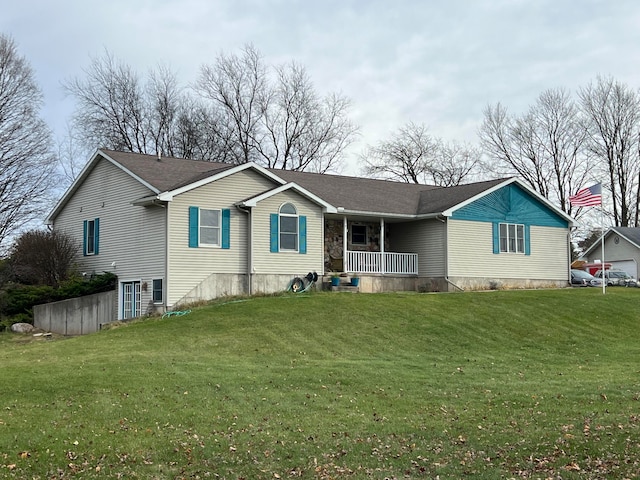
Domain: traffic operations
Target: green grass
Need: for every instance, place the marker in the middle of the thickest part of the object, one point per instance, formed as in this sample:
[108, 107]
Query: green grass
[507, 384]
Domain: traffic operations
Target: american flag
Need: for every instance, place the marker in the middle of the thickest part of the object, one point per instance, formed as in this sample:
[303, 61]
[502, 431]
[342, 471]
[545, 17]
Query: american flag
[587, 197]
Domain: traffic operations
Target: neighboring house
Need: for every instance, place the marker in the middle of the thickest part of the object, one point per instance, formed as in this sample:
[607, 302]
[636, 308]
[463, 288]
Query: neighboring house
[621, 249]
[177, 231]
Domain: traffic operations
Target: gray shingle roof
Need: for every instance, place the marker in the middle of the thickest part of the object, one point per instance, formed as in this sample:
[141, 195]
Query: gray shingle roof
[168, 173]
[632, 233]
[354, 194]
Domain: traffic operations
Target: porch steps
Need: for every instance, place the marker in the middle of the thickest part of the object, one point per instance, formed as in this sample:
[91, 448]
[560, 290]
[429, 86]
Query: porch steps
[344, 286]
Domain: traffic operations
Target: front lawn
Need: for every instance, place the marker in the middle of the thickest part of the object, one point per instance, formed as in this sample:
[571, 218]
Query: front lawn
[506, 384]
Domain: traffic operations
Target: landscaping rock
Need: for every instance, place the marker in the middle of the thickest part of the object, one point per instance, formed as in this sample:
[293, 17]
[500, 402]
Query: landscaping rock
[22, 328]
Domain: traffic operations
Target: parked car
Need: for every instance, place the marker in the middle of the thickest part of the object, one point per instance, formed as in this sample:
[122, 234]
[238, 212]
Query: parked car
[580, 278]
[617, 277]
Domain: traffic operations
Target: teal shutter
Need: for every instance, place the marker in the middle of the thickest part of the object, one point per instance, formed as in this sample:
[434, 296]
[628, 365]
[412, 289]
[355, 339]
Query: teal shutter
[84, 238]
[193, 227]
[527, 240]
[496, 237]
[302, 227]
[273, 232]
[226, 226]
[96, 236]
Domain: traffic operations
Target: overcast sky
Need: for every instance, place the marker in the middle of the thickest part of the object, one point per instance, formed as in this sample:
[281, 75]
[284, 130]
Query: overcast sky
[433, 62]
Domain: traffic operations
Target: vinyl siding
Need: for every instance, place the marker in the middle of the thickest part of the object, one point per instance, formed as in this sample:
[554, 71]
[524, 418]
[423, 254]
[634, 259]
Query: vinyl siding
[292, 263]
[188, 267]
[427, 239]
[471, 253]
[131, 236]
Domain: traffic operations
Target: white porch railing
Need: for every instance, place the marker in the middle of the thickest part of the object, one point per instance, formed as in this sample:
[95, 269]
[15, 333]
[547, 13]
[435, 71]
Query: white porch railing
[376, 262]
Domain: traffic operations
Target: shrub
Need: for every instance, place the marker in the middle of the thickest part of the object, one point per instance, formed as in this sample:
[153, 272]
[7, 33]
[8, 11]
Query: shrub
[20, 299]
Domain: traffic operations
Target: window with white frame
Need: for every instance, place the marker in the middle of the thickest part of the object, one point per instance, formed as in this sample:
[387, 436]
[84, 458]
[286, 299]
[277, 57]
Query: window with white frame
[512, 238]
[90, 240]
[157, 290]
[209, 227]
[288, 227]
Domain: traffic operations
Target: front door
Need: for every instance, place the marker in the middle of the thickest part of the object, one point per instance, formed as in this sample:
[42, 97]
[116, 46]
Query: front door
[130, 300]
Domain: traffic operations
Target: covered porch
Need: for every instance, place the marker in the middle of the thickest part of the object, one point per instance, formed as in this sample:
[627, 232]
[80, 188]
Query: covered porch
[362, 246]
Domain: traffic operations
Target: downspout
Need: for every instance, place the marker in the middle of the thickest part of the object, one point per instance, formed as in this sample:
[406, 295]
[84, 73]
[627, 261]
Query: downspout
[247, 210]
[446, 254]
[345, 257]
[166, 257]
[382, 262]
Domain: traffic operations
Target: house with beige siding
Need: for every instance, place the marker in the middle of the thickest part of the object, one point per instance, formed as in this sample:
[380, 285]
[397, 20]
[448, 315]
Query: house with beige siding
[176, 231]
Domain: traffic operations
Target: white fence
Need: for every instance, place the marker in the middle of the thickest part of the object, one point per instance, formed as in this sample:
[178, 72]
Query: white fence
[376, 262]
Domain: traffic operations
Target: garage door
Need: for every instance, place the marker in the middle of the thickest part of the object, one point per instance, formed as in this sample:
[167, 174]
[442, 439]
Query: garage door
[628, 266]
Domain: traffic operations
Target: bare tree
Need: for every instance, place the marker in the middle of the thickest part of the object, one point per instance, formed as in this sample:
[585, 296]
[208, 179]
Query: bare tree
[71, 157]
[612, 112]
[457, 163]
[237, 85]
[27, 163]
[110, 111]
[43, 257]
[412, 155]
[279, 120]
[116, 108]
[304, 131]
[544, 147]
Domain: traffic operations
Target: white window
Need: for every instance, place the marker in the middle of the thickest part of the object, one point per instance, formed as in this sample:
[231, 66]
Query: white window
[511, 238]
[288, 227]
[210, 227]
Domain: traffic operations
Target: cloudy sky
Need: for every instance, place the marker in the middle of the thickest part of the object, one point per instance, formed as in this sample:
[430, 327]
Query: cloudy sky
[433, 62]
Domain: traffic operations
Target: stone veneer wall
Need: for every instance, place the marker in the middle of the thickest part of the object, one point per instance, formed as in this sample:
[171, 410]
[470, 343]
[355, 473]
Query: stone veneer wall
[333, 254]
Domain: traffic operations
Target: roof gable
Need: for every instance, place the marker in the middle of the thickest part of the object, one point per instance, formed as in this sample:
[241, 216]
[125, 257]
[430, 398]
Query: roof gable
[630, 234]
[253, 201]
[511, 202]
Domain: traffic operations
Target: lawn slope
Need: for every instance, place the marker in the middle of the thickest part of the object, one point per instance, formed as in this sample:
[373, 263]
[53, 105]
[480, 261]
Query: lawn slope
[531, 384]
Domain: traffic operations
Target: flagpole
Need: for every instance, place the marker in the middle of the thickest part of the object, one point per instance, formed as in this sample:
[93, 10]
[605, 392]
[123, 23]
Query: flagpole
[604, 264]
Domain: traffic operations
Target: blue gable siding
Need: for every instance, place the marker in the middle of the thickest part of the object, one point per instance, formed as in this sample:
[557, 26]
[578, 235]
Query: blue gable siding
[510, 204]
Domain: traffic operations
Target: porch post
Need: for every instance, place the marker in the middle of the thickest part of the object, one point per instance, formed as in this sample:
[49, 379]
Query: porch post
[345, 257]
[382, 266]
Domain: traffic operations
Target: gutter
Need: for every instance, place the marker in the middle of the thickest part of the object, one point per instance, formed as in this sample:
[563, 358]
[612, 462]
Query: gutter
[342, 211]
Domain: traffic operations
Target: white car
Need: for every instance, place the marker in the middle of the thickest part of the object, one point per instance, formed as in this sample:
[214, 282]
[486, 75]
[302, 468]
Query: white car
[617, 277]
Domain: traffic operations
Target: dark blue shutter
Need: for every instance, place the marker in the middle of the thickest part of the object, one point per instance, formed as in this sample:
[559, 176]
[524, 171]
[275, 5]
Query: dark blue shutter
[96, 236]
[273, 233]
[193, 227]
[302, 224]
[527, 239]
[496, 237]
[226, 226]
[84, 237]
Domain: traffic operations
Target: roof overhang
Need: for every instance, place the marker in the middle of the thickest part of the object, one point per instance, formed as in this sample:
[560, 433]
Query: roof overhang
[84, 173]
[386, 215]
[253, 201]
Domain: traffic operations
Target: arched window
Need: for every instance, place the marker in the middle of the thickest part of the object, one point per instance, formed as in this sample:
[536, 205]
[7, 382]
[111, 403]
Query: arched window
[288, 220]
